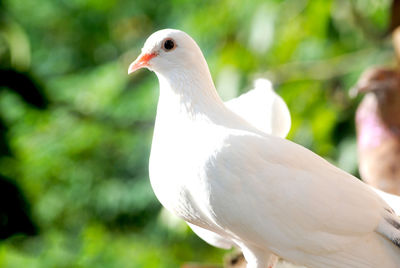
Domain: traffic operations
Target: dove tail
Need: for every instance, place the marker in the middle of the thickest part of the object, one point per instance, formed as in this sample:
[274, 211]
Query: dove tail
[396, 239]
[390, 227]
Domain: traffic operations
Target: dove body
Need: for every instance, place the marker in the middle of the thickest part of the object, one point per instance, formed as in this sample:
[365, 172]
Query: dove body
[263, 193]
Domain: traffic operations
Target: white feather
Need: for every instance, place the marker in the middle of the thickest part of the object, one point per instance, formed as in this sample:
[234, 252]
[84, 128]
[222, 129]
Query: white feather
[212, 238]
[263, 108]
[263, 193]
[391, 199]
[267, 111]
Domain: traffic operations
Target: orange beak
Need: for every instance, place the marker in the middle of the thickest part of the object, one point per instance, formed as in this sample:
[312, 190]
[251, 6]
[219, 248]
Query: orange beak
[141, 62]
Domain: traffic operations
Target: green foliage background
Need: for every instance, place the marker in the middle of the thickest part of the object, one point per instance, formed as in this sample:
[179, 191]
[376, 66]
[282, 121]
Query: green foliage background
[82, 162]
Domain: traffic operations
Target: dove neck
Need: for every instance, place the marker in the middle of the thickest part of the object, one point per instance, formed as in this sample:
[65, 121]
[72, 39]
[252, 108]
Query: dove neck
[189, 92]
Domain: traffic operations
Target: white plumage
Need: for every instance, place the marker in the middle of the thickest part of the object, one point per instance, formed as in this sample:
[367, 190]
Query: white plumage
[263, 108]
[268, 112]
[262, 193]
[391, 199]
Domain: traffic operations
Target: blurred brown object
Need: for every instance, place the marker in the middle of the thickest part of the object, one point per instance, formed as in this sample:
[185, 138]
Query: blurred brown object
[394, 16]
[231, 260]
[378, 128]
[235, 260]
[396, 42]
[378, 119]
[378, 125]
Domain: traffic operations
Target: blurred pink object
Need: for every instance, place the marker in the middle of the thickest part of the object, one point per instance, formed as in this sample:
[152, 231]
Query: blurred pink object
[378, 129]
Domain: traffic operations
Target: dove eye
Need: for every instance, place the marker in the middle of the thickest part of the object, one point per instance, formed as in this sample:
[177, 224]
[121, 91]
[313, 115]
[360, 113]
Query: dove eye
[168, 45]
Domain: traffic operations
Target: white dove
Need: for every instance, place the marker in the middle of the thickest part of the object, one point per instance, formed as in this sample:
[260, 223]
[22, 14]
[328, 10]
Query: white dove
[263, 193]
[268, 112]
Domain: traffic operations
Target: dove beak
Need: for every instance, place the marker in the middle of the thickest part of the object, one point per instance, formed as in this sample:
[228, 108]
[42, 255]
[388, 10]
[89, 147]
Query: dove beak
[141, 62]
[354, 91]
[361, 88]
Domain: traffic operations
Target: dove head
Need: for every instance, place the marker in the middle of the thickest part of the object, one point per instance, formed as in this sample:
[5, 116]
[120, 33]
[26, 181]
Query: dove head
[382, 100]
[181, 69]
[378, 81]
[168, 51]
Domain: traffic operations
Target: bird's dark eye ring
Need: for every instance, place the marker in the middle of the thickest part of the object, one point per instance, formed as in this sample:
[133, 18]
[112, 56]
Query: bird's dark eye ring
[168, 45]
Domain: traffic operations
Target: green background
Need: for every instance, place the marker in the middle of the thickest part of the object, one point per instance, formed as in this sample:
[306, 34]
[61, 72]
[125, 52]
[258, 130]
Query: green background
[80, 160]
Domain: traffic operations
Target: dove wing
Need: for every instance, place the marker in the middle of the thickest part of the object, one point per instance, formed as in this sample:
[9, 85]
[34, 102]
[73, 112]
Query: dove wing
[392, 199]
[263, 108]
[266, 110]
[211, 237]
[296, 201]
